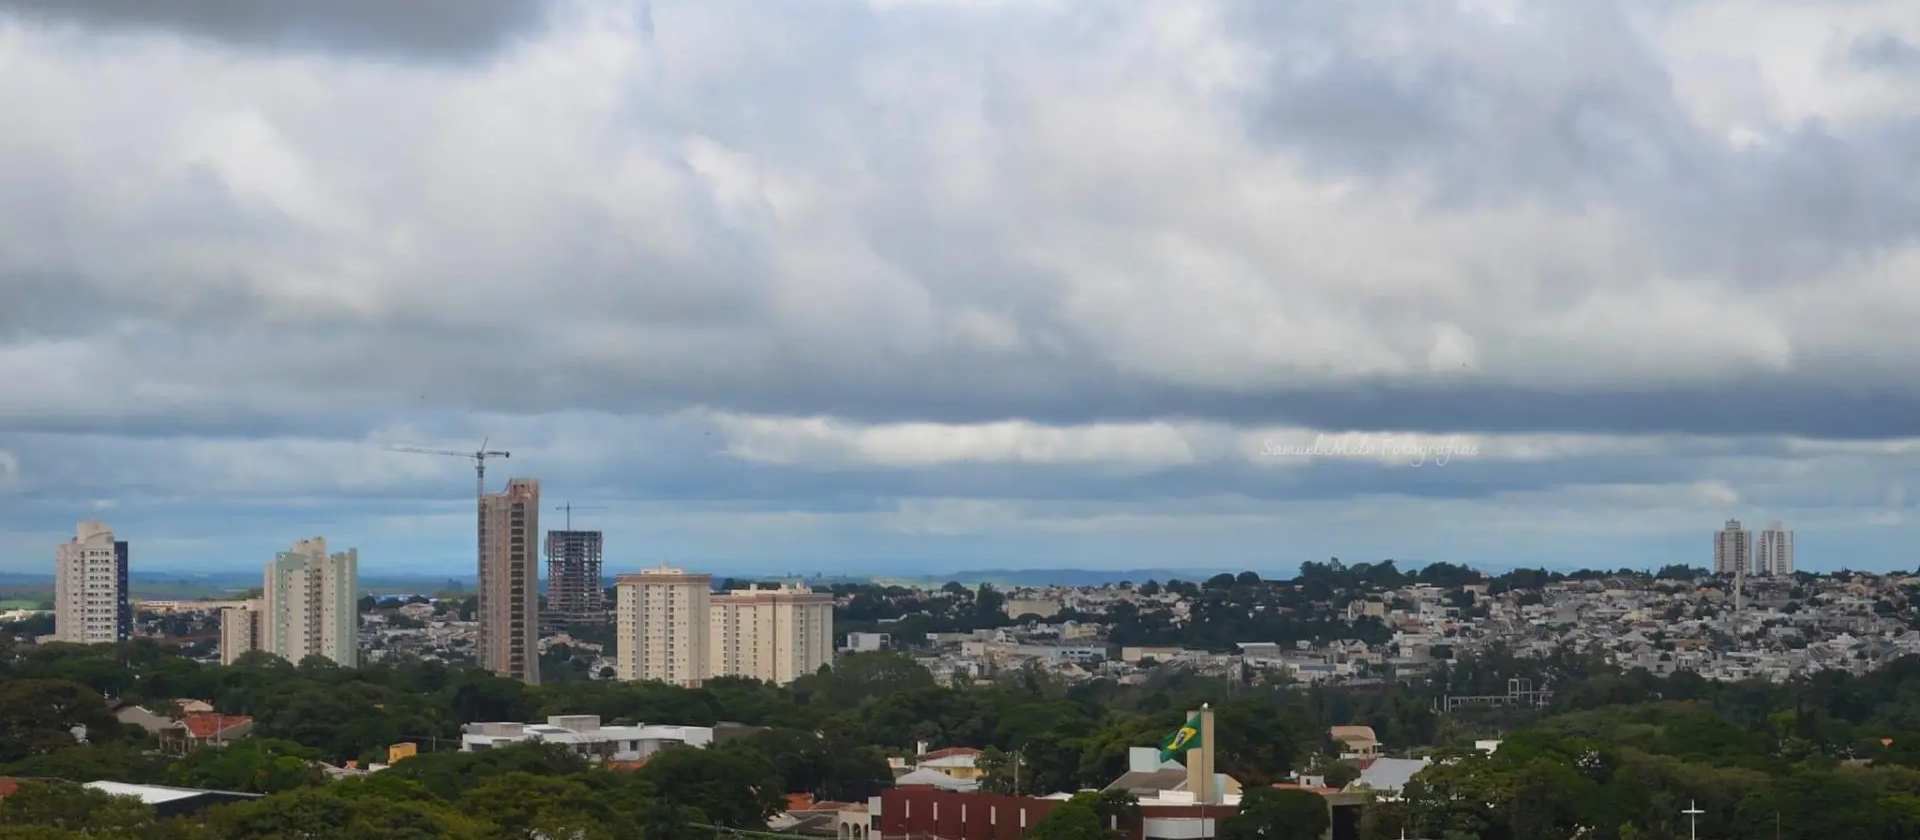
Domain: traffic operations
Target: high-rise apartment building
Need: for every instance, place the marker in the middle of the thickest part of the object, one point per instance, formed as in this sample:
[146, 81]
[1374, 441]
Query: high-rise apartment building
[1773, 553]
[772, 635]
[240, 631]
[509, 602]
[661, 622]
[90, 604]
[574, 589]
[309, 605]
[1733, 550]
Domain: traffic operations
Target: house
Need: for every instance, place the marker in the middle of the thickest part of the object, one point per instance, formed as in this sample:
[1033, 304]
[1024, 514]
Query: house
[953, 762]
[153, 722]
[213, 728]
[585, 735]
[173, 801]
[192, 729]
[805, 816]
[1386, 777]
[1151, 779]
[1358, 741]
[166, 801]
[925, 777]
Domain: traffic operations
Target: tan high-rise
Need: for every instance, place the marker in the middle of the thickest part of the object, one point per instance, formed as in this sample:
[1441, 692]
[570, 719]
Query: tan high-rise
[510, 581]
[309, 604]
[1733, 550]
[661, 619]
[771, 635]
[90, 597]
[240, 631]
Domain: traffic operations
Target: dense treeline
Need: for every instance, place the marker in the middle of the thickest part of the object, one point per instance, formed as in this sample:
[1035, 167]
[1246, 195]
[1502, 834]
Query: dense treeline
[1616, 757]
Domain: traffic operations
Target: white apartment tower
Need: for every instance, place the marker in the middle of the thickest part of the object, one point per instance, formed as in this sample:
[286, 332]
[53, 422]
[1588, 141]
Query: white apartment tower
[90, 603]
[771, 635]
[1773, 554]
[661, 621]
[1733, 550]
[239, 631]
[310, 605]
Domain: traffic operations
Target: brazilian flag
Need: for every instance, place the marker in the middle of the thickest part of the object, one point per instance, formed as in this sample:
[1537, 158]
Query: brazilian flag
[1186, 738]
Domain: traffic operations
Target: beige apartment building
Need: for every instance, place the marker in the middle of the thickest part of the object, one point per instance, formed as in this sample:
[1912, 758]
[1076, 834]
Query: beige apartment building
[772, 635]
[671, 627]
[309, 605]
[661, 617]
[90, 603]
[239, 630]
[509, 598]
[1733, 550]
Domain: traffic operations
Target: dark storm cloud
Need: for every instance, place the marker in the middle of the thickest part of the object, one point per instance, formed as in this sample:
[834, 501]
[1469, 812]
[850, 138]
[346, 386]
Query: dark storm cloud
[1572, 107]
[412, 29]
[1885, 51]
[238, 279]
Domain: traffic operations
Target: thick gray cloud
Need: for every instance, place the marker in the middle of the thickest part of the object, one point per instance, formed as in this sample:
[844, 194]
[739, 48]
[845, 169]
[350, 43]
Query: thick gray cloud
[1885, 51]
[1000, 277]
[431, 29]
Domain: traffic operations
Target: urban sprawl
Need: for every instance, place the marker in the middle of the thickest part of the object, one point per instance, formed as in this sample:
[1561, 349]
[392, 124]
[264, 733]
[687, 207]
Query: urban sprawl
[1366, 688]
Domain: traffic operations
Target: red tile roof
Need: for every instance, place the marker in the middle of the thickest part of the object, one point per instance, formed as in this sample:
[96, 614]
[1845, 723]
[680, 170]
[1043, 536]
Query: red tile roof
[213, 725]
[8, 786]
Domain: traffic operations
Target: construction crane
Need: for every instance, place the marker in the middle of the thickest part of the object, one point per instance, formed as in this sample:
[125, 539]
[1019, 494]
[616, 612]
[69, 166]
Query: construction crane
[571, 507]
[478, 456]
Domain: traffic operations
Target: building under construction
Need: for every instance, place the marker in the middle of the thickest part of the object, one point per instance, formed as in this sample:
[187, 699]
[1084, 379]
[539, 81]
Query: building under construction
[574, 587]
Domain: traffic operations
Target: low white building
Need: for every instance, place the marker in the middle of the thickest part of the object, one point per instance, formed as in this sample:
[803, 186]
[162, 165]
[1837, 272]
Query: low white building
[586, 736]
[868, 642]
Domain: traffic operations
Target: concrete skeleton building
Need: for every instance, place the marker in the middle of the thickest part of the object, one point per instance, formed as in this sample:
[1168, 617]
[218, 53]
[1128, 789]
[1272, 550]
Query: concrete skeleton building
[574, 588]
[509, 597]
[308, 607]
[661, 618]
[90, 599]
[671, 627]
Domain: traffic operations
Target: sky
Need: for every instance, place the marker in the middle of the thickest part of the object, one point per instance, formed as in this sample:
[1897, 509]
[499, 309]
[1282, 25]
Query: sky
[911, 286]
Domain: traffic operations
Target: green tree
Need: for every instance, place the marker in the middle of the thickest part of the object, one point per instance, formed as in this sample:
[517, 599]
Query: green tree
[250, 765]
[1268, 813]
[528, 807]
[1078, 818]
[39, 716]
[732, 787]
[67, 806]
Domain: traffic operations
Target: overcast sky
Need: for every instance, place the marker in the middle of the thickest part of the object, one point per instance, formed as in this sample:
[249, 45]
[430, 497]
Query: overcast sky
[923, 286]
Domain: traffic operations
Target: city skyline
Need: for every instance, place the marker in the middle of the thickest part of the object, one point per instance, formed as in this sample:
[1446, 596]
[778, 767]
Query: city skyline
[921, 286]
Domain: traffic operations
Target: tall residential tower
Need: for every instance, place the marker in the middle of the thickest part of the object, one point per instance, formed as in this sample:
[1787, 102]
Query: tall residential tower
[90, 603]
[309, 605]
[661, 623]
[1773, 553]
[240, 630]
[1732, 550]
[771, 635]
[509, 602]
